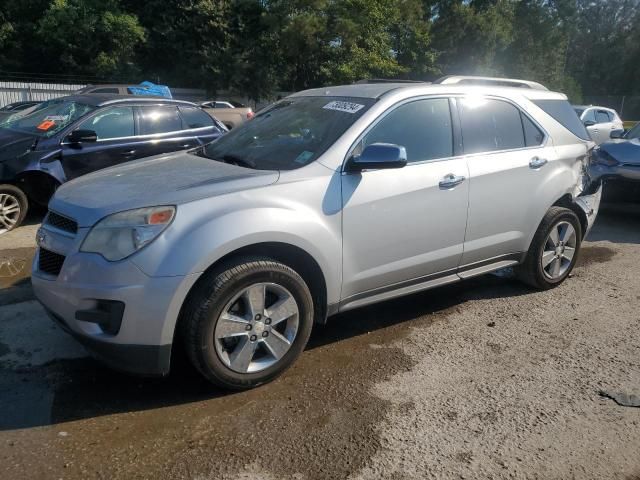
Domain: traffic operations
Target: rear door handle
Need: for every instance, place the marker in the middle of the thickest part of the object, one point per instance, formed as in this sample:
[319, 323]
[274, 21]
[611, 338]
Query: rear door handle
[450, 181]
[537, 162]
[128, 154]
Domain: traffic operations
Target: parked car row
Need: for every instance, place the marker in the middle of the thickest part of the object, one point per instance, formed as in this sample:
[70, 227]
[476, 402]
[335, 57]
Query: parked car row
[71, 136]
[328, 200]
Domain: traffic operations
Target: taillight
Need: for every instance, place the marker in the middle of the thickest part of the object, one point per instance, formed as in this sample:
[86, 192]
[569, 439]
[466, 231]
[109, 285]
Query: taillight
[250, 114]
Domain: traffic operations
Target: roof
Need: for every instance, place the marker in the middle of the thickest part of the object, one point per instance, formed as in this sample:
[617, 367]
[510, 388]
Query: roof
[101, 99]
[378, 90]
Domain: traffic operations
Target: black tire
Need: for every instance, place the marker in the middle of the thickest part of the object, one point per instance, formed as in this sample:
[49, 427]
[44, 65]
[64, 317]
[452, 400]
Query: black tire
[531, 271]
[12, 194]
[208, 301]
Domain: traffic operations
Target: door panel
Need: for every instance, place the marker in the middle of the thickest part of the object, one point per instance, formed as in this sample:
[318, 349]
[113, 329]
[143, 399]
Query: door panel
[400, 224]
[504, 201]
[115, 131]
[508, 167]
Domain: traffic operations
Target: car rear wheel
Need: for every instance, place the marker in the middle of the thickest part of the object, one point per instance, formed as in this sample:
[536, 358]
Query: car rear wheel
[553, 251]
[13, 207]
[246, 323]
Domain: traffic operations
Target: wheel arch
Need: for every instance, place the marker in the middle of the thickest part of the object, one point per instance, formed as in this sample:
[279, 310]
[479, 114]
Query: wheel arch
[566, 201]
[37, 185]
[291, 255]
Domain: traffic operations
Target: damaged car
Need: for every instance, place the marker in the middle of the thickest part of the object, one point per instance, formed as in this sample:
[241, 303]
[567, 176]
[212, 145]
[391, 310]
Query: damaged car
[65, 138]
[329, 200]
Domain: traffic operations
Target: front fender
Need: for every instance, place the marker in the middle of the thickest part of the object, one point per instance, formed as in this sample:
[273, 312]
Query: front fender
[185, 250]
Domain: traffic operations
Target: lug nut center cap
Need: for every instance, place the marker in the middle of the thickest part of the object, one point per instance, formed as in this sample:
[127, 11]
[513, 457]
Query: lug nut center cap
[258, 328]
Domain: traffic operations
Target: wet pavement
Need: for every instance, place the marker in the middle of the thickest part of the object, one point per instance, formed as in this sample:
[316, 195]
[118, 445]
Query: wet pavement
[63, 415]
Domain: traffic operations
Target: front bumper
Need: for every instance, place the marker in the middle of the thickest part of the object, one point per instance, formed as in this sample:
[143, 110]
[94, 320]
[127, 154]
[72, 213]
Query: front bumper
[142, 337]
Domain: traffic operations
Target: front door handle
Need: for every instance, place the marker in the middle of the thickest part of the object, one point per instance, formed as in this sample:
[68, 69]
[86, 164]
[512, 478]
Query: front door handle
[537, 162]
[450, 181]
[128, 153]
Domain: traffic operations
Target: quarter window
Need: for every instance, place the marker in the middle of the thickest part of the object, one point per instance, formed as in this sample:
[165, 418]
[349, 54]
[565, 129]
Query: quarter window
[423, 127]
[490, 125]
[159, 120]
[114, 122]
[533, 136]
[195, 118]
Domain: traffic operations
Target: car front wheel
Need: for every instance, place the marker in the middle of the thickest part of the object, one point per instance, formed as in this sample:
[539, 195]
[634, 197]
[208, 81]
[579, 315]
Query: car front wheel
[246, 323]
[13, 207]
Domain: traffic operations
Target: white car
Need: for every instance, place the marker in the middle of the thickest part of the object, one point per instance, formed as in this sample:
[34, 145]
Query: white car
[600, 121]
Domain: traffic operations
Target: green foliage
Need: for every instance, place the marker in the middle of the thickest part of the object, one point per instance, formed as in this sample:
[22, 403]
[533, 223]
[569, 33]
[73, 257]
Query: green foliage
[257, 47]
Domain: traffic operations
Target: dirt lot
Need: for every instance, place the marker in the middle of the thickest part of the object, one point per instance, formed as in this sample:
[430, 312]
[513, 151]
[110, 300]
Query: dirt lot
[485, 379]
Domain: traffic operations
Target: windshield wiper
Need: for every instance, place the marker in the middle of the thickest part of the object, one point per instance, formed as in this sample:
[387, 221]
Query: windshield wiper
[235, 160]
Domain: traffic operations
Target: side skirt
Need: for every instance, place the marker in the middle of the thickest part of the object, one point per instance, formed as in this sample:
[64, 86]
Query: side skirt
[426, 282]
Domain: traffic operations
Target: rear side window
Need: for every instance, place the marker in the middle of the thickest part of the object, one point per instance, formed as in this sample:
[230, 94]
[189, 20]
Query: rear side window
[602, 117]
[159, 120]
[422, 127]
[490, 125]
[562, 112]
[109, 123]
[533, 136]
[105, 90]
[195, 118]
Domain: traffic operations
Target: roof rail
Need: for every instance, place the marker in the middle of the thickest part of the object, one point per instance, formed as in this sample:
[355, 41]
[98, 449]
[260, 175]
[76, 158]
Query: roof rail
[489, 81]
[386, 80]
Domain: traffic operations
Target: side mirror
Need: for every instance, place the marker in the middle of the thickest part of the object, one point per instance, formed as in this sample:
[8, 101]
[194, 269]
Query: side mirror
[619, 133]
[589, 123]
[378, 156]
[82, 136]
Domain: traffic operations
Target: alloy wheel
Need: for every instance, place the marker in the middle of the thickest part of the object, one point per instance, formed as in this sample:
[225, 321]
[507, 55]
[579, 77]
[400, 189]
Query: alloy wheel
[256, 328]
[10, 211]
[559, 250]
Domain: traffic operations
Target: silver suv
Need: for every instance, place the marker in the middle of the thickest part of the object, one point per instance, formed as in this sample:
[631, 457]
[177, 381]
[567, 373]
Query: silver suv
[329, 200]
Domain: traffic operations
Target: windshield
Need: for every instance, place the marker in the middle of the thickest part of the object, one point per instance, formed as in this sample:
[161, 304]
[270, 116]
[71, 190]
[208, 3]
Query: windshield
[289, 134]
[49, 118]
[634, 132]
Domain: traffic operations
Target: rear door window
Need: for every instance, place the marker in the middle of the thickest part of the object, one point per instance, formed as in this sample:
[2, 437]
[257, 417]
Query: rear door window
[116, 122]
[159, 119]
[602, 117]
[423, 127]
[490, 125]
[195, 118]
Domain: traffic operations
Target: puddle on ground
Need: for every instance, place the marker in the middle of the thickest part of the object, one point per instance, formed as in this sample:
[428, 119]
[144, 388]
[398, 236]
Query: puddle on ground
[15, 266]
[322, 410]
[594, 254]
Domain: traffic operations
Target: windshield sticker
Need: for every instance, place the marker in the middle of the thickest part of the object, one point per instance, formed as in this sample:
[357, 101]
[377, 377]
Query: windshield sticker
[346, 107]
[46, 125]
[56, 118]
[304, 157]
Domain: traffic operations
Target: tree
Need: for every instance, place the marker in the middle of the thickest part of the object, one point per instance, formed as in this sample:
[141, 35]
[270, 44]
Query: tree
[92, 37]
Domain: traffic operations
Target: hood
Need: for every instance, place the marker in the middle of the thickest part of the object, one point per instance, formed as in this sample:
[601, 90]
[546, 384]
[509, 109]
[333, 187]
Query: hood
[624, 151]
[13, 143]
[170, 179]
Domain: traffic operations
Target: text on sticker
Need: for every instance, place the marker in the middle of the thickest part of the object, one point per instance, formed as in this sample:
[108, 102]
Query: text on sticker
[347, 107]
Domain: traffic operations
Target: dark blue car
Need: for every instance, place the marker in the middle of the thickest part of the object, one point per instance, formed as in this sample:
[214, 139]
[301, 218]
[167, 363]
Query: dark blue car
[71, 136]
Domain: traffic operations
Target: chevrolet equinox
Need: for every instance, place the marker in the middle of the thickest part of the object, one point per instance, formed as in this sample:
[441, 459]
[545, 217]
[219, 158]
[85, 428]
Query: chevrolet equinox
[330, 199]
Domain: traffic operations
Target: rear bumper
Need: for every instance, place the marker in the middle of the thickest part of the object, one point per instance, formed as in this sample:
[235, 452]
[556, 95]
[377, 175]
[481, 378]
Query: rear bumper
[590, 204]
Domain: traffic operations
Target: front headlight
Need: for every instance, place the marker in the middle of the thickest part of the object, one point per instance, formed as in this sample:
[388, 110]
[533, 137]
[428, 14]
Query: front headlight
[119, 235]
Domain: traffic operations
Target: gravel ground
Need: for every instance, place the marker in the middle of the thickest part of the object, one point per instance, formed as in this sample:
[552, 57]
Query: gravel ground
[484, 379]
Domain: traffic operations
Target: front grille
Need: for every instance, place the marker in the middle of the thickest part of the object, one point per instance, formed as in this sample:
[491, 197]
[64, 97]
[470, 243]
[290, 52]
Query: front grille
[50, 262]
[61, 223]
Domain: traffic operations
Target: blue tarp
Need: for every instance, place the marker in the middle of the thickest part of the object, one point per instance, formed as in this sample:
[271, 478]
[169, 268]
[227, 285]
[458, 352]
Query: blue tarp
[148, 88]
